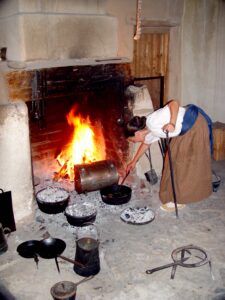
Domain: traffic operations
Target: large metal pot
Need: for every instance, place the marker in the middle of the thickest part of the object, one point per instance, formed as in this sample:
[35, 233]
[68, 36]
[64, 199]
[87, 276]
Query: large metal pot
[94, 176]
[52, 200]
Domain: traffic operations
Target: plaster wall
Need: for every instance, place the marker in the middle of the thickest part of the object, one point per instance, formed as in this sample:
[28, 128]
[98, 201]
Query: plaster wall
[43, 30]
[15, 156]
[203, 43]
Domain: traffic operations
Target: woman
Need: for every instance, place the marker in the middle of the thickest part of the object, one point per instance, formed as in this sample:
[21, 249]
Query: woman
[190, 132]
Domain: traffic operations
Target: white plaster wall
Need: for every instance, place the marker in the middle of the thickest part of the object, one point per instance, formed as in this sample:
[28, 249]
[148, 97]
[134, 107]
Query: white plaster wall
[63, 6]
[218, 112]
[203, 45]
[69, 36]
[44, 30]
[11, 7]
[15, 158]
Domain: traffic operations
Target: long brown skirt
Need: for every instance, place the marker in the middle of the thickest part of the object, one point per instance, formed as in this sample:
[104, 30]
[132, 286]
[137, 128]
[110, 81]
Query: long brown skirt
[191, 161]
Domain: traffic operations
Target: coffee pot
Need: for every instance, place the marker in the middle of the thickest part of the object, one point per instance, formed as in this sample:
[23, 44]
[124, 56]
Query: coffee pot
[87, 250]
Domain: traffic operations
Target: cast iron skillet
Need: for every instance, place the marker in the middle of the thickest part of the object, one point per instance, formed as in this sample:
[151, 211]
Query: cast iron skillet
[116, 194]
[29, 249]
[51, 247]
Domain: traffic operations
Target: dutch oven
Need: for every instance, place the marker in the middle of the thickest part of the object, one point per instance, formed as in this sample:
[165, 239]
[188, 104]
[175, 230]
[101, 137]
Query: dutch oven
[80, 213]
[116, 194]
[52, 200]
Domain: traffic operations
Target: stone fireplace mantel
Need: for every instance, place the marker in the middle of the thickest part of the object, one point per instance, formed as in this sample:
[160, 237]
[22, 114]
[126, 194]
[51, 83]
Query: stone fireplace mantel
[57, 30]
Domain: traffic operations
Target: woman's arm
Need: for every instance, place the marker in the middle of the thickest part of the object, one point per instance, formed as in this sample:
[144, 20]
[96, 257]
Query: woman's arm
[174, 108]
[141, 150]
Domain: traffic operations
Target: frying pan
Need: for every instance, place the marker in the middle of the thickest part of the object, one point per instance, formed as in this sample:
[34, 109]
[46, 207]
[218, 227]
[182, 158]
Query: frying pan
[53, 248]
[116, 194]
[29, 249]
[47, 248]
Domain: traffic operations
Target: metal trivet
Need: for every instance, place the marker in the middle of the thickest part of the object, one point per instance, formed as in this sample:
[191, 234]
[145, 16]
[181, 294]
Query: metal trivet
[187, 256]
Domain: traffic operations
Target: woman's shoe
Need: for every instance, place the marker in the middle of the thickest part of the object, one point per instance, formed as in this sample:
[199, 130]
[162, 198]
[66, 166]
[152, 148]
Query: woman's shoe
[170, 206]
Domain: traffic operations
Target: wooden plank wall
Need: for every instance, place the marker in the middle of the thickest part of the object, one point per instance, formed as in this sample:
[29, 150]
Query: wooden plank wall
[151, 53]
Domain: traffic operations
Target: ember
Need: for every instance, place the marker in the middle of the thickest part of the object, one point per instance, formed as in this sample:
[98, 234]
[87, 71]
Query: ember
[86, 146]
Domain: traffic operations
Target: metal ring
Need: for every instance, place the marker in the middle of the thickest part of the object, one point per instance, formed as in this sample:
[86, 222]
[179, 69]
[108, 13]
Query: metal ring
[202, 262]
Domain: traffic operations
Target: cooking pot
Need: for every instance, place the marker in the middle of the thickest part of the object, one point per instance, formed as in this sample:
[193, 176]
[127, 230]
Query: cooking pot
[80, 213]
[116, 194]
[52, 200]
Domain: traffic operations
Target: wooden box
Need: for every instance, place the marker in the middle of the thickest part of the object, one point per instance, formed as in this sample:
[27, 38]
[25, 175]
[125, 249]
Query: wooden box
[218, 141]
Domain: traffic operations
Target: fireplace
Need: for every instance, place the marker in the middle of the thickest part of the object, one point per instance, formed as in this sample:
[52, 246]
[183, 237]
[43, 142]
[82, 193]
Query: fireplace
[95, 92]
[35, 128]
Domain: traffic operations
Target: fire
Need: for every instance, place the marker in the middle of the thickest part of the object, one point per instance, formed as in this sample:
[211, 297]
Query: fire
[87, 145]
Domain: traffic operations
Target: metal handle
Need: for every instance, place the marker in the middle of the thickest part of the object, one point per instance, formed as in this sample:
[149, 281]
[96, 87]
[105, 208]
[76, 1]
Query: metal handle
[71, 260]
[171, 172]
[7, 230]
[150, 271]
[175, 263]
[125, 177]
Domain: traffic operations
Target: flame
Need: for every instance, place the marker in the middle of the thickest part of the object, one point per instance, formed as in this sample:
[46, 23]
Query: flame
[86, 146]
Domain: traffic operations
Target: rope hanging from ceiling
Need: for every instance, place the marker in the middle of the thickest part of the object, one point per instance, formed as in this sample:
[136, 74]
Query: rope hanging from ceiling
[138, 21]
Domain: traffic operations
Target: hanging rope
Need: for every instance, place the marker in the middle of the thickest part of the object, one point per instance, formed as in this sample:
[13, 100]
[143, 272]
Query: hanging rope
[138, 21]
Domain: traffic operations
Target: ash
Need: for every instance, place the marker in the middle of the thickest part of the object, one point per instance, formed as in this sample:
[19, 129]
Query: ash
[142, 194]
[52, 194]
[83, 209]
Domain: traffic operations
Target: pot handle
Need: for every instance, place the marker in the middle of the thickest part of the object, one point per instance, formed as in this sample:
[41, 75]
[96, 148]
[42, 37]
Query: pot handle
[7, 231]
[87, 224]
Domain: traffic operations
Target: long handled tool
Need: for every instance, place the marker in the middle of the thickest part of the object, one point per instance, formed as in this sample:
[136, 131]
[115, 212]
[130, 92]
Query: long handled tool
[171, 172]
[151, 175]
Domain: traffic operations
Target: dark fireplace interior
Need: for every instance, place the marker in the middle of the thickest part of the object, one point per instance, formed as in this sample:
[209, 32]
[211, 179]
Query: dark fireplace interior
[96, 91]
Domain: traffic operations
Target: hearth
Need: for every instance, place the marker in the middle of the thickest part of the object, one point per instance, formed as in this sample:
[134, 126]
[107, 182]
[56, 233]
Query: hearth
[95, 94]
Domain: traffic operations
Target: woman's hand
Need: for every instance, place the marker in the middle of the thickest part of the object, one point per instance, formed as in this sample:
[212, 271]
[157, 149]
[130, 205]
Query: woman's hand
[130, 167]
[170, 127]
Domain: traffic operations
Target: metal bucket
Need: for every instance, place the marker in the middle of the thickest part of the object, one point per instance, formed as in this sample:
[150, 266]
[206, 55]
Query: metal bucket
[94, 176]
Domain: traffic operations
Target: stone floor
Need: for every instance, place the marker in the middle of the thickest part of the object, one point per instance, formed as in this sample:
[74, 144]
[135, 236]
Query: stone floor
[126, 251]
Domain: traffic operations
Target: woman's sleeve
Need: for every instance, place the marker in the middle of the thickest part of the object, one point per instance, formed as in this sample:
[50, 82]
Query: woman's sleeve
[150, 138]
